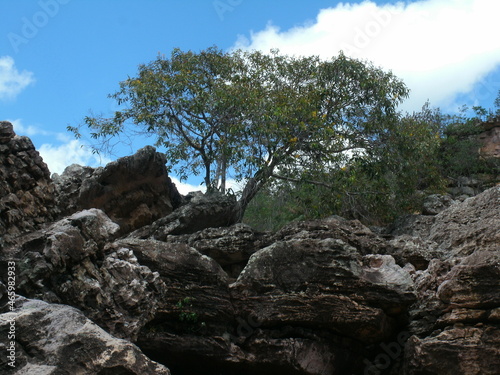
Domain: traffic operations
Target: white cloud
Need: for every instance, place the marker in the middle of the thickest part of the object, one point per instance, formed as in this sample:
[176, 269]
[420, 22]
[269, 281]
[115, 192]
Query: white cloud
[59, 157]
[12, 82]
[440, 48]
[29, 130]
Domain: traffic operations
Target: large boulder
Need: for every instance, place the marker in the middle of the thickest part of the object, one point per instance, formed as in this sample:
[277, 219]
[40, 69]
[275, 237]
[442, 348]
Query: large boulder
[231, 247]
[27, 197]
[133, 191]
[455, 323]
[71, 262]
[456, 231]
[203, 211]
[52, 339]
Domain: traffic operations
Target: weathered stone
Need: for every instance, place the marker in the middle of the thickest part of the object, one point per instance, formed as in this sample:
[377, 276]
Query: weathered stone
[69, 263]
[201, 212]
[133, 191]
[459, 350]
[231, 247]
[326, 284]
[56, 339]
[27, 197]
[434, 204]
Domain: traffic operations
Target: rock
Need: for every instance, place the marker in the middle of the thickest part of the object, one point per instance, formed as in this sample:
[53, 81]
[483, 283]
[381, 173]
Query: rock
[190, 276]
[133, 191]
[27, 197]
[230, 247]
[201, 212]
[460, 350]
[490, 140]
[455, 321]
[337, 288]
[70, 263]
[58, 339]
[435, 203]
[351, 232]
[474, 224]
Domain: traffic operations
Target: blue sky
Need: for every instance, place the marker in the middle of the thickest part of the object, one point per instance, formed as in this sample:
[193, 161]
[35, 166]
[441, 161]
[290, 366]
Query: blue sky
[59, 59]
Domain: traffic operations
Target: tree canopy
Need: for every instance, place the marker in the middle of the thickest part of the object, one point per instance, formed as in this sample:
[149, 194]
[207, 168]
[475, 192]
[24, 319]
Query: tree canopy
[255, 116]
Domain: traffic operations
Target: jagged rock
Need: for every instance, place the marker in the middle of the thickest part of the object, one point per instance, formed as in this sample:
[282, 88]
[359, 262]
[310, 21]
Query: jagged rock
[458, 350]
[201, 212]
[459, 290]
[474, 224]
[231, 247]
[435, 203]
[336, 288]
[26, 191]
[455, 232]
[69, 263]
[133, 191]
[188, 275]
[58, 339]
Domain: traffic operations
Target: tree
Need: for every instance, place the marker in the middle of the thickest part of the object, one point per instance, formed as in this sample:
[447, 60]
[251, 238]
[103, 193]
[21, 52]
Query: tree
[384, 181]
[257, 116]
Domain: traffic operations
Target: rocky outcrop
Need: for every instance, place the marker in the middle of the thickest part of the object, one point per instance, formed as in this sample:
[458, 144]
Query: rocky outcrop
[27, 197]
[133, 191]
[58, 339]
[74, 262]
[490, 138]
[200, 294]
[201, 212]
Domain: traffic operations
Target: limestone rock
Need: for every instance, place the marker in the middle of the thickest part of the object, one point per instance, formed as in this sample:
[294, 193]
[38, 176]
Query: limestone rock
[435, 203]
[26, 192]
[337, 288]
[458, 350]
[201, 212]
[230, 247]
[70, 263]
[57, 339]
[133, 191]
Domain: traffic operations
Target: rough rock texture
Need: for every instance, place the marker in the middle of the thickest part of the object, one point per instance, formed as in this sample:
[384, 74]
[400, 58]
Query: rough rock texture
[70, 263]
[26, 192]
[490, 139]
[133, 191]
[201, 295]
[231, 247]
[435, 203]
[201, 212]
[55, 339]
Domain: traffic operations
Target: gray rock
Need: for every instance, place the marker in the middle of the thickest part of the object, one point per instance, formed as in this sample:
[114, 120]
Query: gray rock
[70, 263]
[56, 339]
[434, 204]
[133, 191]
[201, 212]
[27, 195]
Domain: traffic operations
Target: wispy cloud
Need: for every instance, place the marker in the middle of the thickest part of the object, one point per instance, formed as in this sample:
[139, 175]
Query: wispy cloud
[58, 157]
[440, 48]
[12, 81]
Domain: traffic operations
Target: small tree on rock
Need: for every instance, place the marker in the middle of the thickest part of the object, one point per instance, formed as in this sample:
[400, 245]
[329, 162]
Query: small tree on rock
[255, 116]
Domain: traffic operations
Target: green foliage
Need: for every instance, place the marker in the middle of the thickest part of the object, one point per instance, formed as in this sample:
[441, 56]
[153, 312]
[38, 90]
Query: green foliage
[252, 114]
[383, 180]
[185, 315]
[459, 154]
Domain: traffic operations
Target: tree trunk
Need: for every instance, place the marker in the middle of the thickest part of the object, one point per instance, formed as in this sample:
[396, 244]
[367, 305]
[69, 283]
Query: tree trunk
[251, 189]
